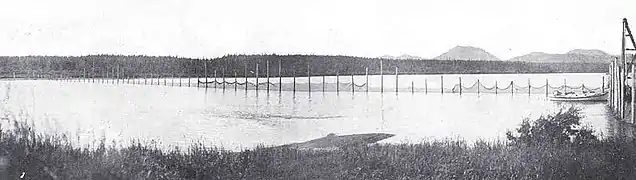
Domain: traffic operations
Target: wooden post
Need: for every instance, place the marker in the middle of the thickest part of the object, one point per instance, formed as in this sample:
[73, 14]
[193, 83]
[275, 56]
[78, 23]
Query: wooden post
[442, 84]
[565, 85]
[381, 78]
[215, 77]
[412, 87]
[547, 86]
[611, 85]
[478, 87]
[309, 78]
[529, 86]
[256, 76]
[603, 84]
[337, 81]
[512, 87]
[366, 75]
[396, 79]
[633, 95]
[267, 72]
[496, 87]
[425, 85]
[353, 84]
[323, 83]
[460, 85]
[165, 81]
[280, 77]
[205, 69]
[158, 79]
[222, 78]
[235, 81]
[172, 79]
[294, 83]
[621, 100]
[245, 78]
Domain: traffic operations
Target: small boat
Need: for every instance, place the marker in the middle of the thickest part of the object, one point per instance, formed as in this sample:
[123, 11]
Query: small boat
[585, 96]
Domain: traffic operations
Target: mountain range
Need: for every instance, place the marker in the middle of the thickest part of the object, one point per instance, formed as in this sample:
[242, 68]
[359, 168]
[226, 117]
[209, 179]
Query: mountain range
[577, 55]
[474, 53]
[467, 53]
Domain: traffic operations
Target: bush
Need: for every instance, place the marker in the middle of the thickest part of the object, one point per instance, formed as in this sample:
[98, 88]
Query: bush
[562, 128]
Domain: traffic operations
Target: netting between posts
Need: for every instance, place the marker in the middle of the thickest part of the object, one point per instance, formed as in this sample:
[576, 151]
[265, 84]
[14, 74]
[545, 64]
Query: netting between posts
[476, 87]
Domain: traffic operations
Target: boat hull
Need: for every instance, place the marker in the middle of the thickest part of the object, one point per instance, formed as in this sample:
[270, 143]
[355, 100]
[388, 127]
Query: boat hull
[596, 97]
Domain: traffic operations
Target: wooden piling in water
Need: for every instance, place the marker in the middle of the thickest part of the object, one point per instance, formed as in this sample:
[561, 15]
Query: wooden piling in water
[366, 75]
[460, 85]
[222, 78]
[412, 87]
[512, 87]
[396, 80]
[381, 78]
[294, 83]
[496, 87]
[478, 86]
[280, 76]
[323, 83]
[442, 84]
[547, 87]
[245, 78]
[353, 84]
[529, 87]
[309, 78]
[565, 85]
[256, 77]
[337, 81]
[425, 85]
[235, 81]
[205, 69]
[603, 84]
[215, 77]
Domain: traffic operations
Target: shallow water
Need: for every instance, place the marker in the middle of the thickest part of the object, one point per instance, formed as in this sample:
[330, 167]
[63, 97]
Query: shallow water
[242, 119]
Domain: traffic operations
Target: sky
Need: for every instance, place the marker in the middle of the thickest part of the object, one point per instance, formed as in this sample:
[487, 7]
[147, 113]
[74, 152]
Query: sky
[369, 28]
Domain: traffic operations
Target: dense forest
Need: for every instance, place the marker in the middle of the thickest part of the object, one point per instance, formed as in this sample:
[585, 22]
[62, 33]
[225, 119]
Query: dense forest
[290, 65]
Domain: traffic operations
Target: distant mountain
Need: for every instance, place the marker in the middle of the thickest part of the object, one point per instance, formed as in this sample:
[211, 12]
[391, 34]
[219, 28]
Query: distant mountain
[577, 55]
[466, 53]
[401, 57]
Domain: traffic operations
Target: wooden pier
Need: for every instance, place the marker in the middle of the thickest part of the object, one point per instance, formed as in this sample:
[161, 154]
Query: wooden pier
[621, 70]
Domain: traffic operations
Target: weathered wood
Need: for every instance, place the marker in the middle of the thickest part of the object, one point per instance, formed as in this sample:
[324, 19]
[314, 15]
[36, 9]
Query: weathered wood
[366, 75]
[396, 80]
[460, 85]
[441, 84]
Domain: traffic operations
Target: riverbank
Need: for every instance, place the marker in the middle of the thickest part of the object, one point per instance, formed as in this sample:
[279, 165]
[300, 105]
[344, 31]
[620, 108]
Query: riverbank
[23, 152]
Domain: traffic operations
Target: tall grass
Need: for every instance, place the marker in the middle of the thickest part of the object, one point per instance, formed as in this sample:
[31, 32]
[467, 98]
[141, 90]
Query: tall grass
[23, 152]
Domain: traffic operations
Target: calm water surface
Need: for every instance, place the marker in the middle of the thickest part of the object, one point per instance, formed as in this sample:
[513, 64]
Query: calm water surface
[242, 119]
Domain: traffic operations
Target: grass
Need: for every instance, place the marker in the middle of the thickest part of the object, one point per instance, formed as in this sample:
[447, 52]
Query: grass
[23, 152]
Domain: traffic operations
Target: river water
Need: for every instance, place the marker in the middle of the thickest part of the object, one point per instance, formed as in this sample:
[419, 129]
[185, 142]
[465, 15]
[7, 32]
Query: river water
[178, 116]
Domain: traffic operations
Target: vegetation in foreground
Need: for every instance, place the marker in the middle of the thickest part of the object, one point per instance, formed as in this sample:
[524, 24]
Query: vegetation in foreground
[552, 147]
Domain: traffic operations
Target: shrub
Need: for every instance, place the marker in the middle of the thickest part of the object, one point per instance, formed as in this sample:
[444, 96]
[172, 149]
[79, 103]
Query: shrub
[562, 128]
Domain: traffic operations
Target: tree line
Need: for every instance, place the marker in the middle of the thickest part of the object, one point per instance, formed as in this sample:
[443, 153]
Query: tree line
[289, 65]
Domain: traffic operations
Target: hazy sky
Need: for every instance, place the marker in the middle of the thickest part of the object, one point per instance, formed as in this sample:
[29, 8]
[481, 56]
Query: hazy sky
[206, 28]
